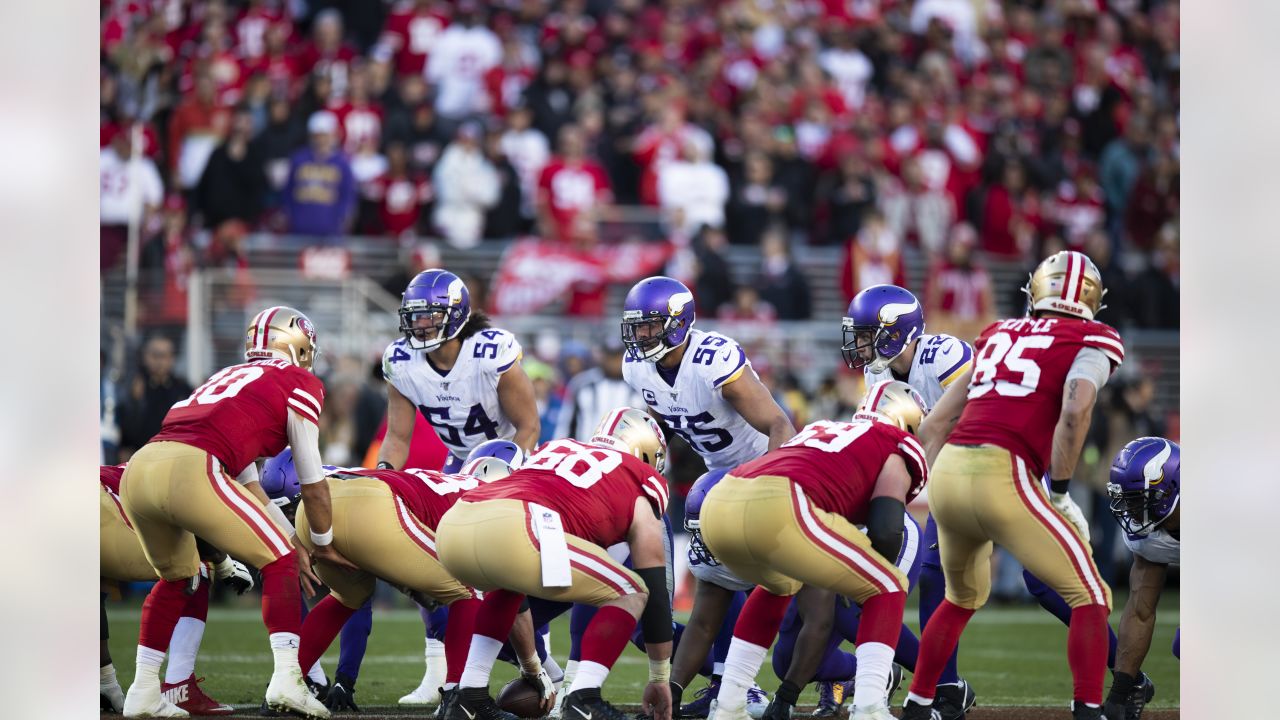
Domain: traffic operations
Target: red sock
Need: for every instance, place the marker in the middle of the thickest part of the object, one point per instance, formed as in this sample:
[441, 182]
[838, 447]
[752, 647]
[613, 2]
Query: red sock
[761, 617]
[937, 642]
[882, 618]
[1087, 651]
[457, 636]
[495, 617]
[160, 613]
[606, 635]
[322, 625]
[198, 604]
[281, 607]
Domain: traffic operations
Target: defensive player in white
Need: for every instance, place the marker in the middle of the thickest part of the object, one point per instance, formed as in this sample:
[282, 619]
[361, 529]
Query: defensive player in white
[884, 337]
[702, 386]
[465, 377]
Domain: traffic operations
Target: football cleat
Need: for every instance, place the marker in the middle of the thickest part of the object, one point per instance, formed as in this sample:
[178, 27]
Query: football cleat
[830, 698]
[475, 704]
[188, 696]
[915, 711]
[446, 699]
[586, 704]
[1143, 691]
[952, 701]
[757, 701]
[701, 705]
[287, 693]
[145, 701]
[895, 682]
[428, 691]
[715, 713]
[1084, 712]
[878, 711]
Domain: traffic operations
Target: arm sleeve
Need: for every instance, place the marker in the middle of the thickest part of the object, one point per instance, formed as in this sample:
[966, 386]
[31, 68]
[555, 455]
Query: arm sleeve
[1090, 364]
[304, 438]
[248, 475]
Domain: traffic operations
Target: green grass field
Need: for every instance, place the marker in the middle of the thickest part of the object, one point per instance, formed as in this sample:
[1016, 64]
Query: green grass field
[1011, 656]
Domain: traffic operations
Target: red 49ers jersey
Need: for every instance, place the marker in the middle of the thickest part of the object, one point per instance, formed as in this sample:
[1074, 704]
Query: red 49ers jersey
[109, 476]
[837, 463]
[1019, 370]
[427, 494]
[242, 412]
[593, 488]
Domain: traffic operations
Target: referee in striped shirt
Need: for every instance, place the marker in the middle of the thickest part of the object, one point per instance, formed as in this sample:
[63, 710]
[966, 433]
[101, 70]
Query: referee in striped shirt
[592, 393]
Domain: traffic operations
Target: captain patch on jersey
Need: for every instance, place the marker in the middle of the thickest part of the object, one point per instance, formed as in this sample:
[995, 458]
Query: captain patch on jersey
[462, 403]
[693, 404]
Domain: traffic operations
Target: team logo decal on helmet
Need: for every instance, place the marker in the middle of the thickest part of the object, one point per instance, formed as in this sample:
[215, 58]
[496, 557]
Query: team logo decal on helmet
[894, 402]
[656, 318]
[1144, 487]
[880, 323]
[486, 468]
[433, 309]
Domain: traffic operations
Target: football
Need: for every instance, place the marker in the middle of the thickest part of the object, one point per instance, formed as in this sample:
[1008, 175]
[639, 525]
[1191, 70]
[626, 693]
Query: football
[521, 698]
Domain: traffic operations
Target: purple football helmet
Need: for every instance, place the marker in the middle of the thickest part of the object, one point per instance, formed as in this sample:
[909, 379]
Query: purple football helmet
[436, 300]
[693, 511]
[881, 321]
[504, 450]
[656, 318]
[1144, 487]
[279, 479]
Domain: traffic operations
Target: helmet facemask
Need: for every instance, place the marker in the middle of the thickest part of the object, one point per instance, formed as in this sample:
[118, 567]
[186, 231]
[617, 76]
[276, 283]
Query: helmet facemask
[426, 325]
[646, 338]
[884, 346]
[1138, 511]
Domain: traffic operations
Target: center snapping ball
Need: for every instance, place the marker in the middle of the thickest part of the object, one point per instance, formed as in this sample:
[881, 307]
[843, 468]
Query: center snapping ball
[522, 699]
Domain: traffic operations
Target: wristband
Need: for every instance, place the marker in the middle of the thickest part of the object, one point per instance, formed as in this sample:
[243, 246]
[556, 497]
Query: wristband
[660, 670]
[384, 465]
[224, 569]
[322, 539]
[1059, 486]
[531, 665]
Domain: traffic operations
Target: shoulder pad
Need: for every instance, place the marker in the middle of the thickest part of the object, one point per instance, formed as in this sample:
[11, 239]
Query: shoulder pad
[717, 358]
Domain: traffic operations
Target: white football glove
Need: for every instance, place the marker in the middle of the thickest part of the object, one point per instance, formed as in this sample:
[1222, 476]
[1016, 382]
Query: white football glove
[234, 574]
[1071, 511]
[542, 680]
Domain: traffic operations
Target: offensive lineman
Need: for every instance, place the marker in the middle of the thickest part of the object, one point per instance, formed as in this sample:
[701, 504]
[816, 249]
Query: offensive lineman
[702, 386]
[1145, 490]
[1022, 410]
[465, 378]
[188, 481]
[543, 532]
[788, 520]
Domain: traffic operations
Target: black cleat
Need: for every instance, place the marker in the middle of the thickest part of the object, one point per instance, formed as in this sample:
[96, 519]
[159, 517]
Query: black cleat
[1084, 712]
[475, 704]
[915, 711]
[895, 681]
[952, 701]
[1143, 691]
[446, 697]
[320, 692]
[587, 704]
[778, 710]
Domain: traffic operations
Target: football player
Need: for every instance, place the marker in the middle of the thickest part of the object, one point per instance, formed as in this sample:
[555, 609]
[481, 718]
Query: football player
[190, 480]
[1023, 409]
[789, 519]
[121, 560]
[543, 532]
[884, 336]
[465, 378]
[702, 386]
[1144, 492]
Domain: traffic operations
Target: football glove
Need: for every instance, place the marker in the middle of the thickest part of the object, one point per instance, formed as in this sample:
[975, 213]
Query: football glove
[234, 575]
[542, 681]
[342, 695]
[1071, 511]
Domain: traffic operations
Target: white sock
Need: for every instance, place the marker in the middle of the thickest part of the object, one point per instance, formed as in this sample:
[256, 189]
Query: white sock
[316, 673]
[435, 649]
[183, 647]
[480, 658]
[875, 661]
[107, 676]
[284, 646]
[591, 675]
[917, 699]
[553, 669]
[148, 666]
[570, 670]
[717, 668]
[740, 668]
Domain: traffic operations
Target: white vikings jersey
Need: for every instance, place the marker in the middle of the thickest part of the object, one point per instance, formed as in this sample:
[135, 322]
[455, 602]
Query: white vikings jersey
[461, 404]
[939, 360]
[694, 406]
[1157, 546]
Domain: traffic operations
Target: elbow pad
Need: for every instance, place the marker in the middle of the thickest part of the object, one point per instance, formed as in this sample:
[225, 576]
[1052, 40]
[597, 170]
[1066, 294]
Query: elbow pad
[655, 621]
[884, 526]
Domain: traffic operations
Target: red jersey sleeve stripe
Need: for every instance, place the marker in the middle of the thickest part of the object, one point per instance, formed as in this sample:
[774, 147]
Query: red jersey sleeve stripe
[1113, 348]
[304, 411]
[657, 490]
[308, 398]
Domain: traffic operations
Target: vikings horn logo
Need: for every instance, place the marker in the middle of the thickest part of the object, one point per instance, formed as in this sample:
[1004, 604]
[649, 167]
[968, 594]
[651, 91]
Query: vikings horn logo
[1153, 471]
[455, 291]
[675, 305]
[890, 313]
